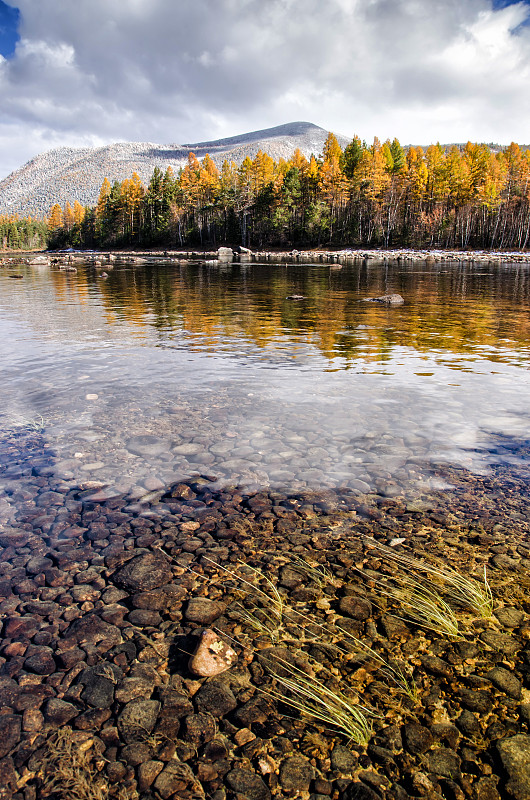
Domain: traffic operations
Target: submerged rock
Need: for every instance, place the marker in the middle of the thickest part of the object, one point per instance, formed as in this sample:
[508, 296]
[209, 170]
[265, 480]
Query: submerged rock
[386, 299]
[515, 757]
[212, 655]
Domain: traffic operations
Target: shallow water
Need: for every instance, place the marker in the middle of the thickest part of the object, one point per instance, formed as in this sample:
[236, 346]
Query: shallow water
[166, 371]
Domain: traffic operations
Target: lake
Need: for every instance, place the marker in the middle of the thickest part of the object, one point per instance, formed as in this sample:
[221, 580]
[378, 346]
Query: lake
[188, 456]
[164, 371]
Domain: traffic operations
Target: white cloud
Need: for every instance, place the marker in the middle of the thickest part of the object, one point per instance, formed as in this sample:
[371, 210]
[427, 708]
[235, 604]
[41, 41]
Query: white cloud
[156, 70]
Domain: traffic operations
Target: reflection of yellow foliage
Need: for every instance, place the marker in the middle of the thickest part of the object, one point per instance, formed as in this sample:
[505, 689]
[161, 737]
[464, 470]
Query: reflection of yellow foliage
[447, 315]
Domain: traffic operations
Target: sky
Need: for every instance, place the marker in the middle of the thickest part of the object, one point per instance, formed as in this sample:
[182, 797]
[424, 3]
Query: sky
[90, 72]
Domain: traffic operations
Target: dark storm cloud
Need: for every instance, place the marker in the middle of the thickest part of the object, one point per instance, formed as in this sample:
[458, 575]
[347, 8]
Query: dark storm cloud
[106, 70]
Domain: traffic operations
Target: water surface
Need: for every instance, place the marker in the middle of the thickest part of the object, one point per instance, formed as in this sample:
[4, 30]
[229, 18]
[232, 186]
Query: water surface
[168, 370]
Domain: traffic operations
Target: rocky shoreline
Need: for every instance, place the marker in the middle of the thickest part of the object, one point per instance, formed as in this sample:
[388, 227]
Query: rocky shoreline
[104, 600]
[335, 258]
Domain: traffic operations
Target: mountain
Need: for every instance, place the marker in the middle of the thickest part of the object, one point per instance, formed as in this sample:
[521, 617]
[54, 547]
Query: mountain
[68, 174]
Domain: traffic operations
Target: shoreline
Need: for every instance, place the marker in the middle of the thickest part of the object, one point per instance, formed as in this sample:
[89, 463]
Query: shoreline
[335, 257]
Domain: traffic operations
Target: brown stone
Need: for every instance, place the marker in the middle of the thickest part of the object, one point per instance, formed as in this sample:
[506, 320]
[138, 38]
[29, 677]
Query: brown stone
[212, 655]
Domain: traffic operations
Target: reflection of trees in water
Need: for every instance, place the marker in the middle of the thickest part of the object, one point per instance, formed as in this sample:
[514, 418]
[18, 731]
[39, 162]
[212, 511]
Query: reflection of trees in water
[453, 308]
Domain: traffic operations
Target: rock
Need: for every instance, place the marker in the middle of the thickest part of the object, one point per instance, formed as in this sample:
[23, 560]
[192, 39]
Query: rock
[356, 607]
[386, 299]
[147, 774]
[212, 655]
[138, 719]
[199, 728]
[14, 538]
[136, 753]
[141, 617]
[360, 791]
[158, 599]
[505, 681]
[295, 297]
[225, 254]
[11, 727]
[468, 724]
[147, 445]
[175, 705]
[147, 571]
[475, 700]
[417, 738]
[444, 762]
[99, 682]
[90, 629]
[515, 757]
[501, 642]
[41, 662]
[247, 783]
[175, 778]
[215, 699]
[510, 617]
[343, 760]
[203, 611]
[8, 778]
[486, 788]
[296, 773]
[9, 692]
[59, 712]
[437, 666]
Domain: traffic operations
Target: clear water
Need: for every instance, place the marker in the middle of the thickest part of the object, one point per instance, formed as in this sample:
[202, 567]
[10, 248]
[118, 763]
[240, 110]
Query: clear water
[163, 371]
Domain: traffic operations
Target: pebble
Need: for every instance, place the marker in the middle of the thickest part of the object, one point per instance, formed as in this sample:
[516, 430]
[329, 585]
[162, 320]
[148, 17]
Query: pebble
[212, 656]
[296, 774]
[203, 611]
[247, 783]
[143, 572]
[137, 719]
[514, 752]
[505, 681]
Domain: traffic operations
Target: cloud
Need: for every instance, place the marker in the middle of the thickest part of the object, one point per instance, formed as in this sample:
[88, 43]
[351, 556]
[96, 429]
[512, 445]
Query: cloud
[156, 70]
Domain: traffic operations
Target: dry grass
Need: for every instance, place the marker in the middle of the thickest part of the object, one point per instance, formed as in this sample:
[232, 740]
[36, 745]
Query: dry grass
[72, 771]
[311, 697]
[462, 591]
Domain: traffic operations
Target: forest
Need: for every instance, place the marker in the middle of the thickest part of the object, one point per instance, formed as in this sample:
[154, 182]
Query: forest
[378, 195]
[23, 234]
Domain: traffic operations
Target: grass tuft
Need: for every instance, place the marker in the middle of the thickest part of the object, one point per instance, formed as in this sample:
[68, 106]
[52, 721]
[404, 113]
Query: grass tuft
[463, 591]
[310, 696]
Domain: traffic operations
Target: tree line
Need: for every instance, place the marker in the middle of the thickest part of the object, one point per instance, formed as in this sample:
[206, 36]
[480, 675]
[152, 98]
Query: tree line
[22, 234]
[365, 195]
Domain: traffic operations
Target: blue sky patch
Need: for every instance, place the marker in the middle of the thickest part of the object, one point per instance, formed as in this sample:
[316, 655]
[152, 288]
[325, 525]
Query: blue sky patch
[503, 3]
[9, 18]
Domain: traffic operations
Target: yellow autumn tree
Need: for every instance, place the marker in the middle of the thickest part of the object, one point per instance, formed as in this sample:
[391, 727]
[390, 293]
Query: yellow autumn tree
[55, 218]
[68, 217]
[79, 213]
[104, 194]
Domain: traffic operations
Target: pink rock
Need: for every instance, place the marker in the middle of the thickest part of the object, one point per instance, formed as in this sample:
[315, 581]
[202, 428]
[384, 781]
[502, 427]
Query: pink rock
[212, 655]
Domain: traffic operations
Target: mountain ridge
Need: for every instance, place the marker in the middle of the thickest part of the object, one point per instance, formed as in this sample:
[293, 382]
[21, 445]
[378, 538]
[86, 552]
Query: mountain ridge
[67, 174]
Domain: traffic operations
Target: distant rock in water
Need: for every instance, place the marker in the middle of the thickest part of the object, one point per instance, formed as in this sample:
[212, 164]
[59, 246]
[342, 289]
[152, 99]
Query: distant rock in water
[69, 174]
[386, 299]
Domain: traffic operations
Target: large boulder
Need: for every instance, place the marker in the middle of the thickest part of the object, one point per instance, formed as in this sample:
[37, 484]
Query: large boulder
[225, 254]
